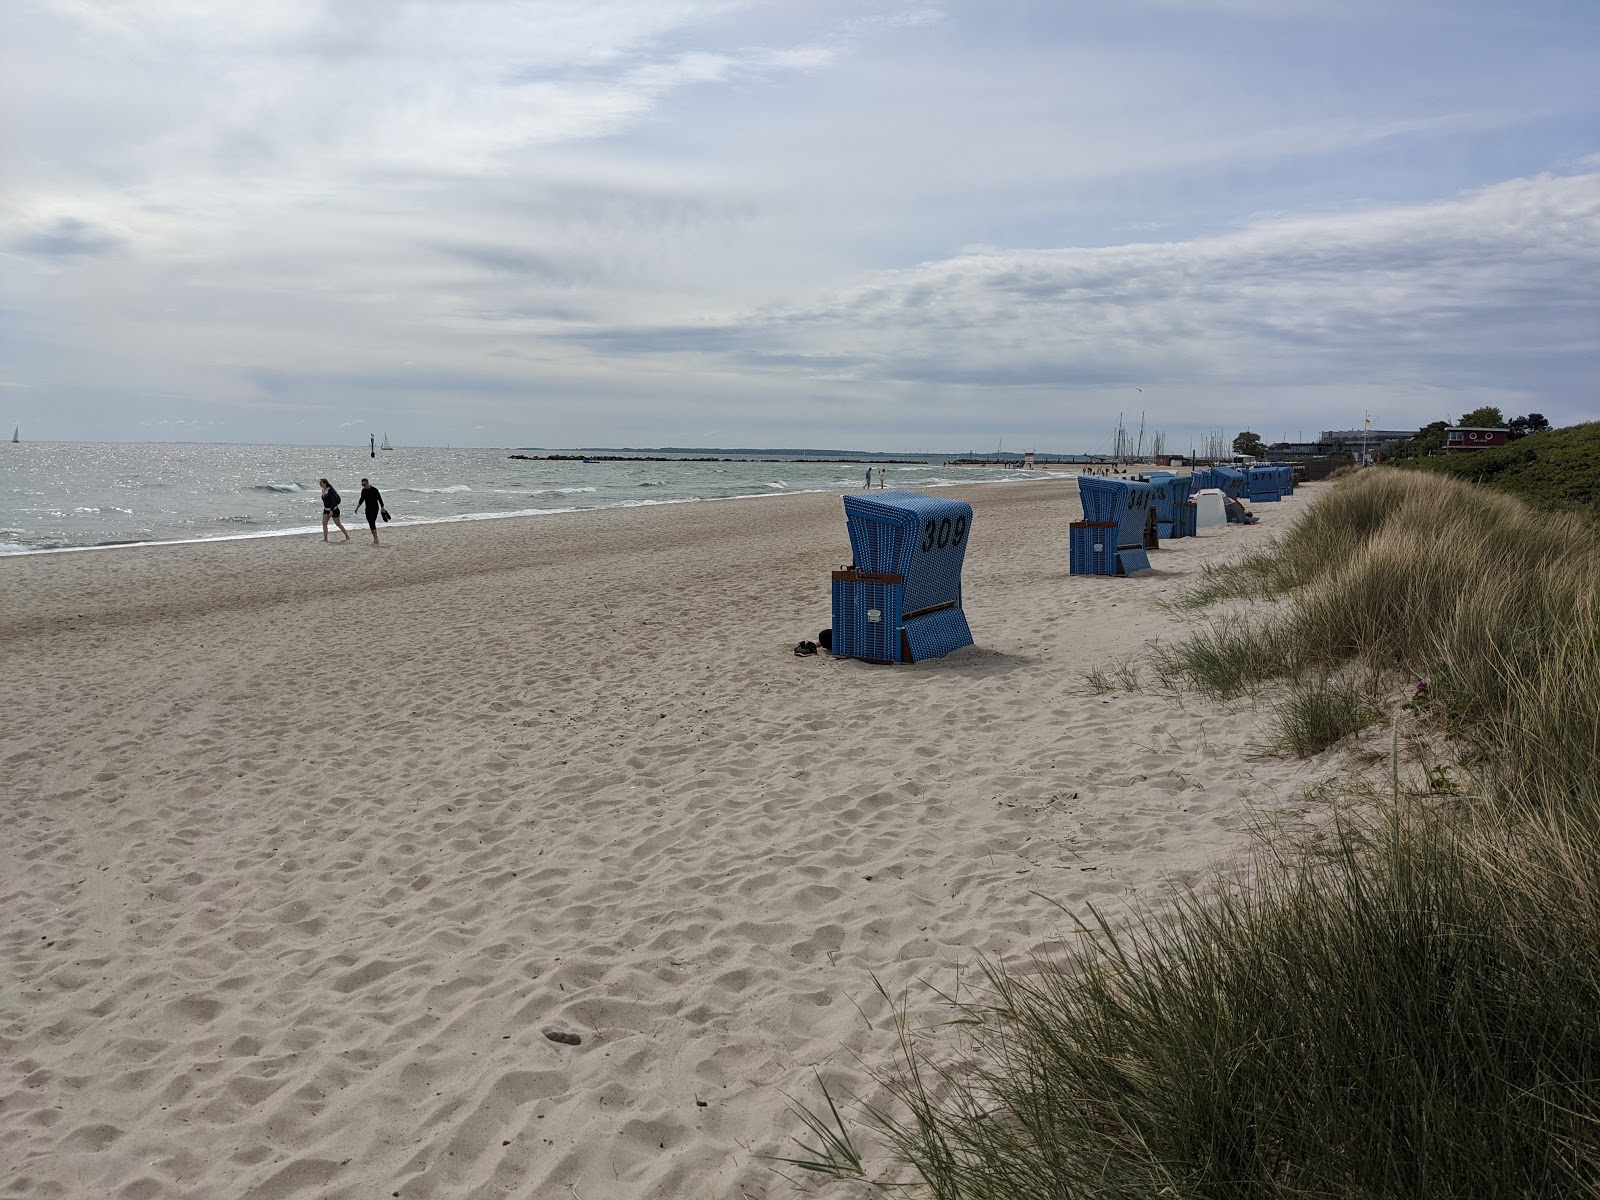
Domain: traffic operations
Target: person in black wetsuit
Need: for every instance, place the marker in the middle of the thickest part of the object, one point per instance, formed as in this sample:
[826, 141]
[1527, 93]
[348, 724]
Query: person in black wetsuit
[330, 508]
[371, 499]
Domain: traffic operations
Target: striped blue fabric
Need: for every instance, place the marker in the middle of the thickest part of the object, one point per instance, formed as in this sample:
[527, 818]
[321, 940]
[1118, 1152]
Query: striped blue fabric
[1091, 550]
[936, 634]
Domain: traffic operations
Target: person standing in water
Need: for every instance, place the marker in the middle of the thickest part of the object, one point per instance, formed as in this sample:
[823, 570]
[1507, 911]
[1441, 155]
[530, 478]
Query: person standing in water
[330, 508]
[371, 499]
[869, 476]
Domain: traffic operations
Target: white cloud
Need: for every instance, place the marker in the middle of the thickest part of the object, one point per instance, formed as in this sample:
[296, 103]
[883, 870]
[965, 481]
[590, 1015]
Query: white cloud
[742, 213]
[1501, 276]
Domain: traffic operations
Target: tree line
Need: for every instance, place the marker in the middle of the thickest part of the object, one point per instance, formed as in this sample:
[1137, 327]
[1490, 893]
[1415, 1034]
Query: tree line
[1430, 439]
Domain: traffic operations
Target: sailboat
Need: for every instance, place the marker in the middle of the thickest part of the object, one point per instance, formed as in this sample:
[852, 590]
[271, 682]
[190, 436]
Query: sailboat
[386, 445]
[15, 434]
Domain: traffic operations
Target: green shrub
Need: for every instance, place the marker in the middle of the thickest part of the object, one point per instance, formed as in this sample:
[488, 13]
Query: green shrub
[1557, 470]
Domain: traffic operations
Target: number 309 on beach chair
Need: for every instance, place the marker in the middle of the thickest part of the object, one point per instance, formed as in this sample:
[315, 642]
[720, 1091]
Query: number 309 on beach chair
[900, 601]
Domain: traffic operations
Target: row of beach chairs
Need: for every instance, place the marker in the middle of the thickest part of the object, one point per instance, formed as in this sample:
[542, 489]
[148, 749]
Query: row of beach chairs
[900, 599]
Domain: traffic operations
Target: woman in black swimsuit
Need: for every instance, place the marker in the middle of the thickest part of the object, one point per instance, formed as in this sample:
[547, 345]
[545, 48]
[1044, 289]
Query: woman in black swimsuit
[371, 499]
[330, 508]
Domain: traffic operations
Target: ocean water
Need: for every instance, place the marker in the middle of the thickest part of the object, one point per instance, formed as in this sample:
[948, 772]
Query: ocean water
[73, 495]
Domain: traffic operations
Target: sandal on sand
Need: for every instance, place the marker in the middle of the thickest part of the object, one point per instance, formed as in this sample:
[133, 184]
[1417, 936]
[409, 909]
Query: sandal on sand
[805, 648]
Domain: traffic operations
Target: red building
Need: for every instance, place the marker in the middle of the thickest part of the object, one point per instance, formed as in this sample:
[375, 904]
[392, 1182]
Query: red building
[1465, 437]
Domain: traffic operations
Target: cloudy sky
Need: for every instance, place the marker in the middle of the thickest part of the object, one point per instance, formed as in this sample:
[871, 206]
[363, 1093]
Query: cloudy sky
[846, 223]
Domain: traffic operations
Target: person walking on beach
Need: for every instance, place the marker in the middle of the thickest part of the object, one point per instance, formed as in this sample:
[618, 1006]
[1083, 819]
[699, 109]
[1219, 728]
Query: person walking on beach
[330, 508]
[869, 476]
[371, 499]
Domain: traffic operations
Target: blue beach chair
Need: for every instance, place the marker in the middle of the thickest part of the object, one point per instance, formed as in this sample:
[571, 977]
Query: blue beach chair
[1174, 515]
[1119, 526]
[1230, 480]
[1263, 486]
[900, 601]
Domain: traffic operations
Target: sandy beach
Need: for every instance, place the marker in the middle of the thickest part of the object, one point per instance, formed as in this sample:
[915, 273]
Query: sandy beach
[308, 847]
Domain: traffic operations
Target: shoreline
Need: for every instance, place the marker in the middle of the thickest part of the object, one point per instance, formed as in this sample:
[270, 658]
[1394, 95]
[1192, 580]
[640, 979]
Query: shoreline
[462, 518]
[310, 852]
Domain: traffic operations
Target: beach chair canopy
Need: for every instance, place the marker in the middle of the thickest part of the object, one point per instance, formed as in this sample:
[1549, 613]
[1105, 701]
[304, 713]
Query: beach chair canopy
[1229, 479]
[922, 539]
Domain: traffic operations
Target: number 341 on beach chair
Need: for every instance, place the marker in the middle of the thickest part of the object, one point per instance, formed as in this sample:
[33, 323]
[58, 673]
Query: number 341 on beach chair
[900, 601]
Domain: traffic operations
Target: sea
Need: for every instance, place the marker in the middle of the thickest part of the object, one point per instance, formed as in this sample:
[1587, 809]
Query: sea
[69, 496]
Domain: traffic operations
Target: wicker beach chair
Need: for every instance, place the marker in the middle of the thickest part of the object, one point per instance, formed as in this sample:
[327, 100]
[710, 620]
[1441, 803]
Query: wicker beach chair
[900, 601]
[1263, 485]
[1170, 495]
[1228, 480]
[1119, 526]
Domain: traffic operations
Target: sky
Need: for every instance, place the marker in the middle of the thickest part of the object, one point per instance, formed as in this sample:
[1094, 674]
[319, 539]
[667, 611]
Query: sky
[865, 225]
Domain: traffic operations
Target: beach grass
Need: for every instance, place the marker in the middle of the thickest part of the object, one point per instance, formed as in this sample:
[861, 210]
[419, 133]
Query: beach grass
[1321, 711]
[1405, 1007]
[1409, 1014]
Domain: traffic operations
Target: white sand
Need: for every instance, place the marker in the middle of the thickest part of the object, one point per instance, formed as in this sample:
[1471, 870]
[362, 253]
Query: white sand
[305, 846]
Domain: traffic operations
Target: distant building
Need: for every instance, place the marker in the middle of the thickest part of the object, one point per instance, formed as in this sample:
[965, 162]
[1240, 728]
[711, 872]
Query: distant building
[1351, 441]
[1467, 437]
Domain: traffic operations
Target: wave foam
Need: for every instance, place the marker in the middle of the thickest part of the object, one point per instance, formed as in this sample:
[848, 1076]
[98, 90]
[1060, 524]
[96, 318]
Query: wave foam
[568, 491]
[279, 487]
